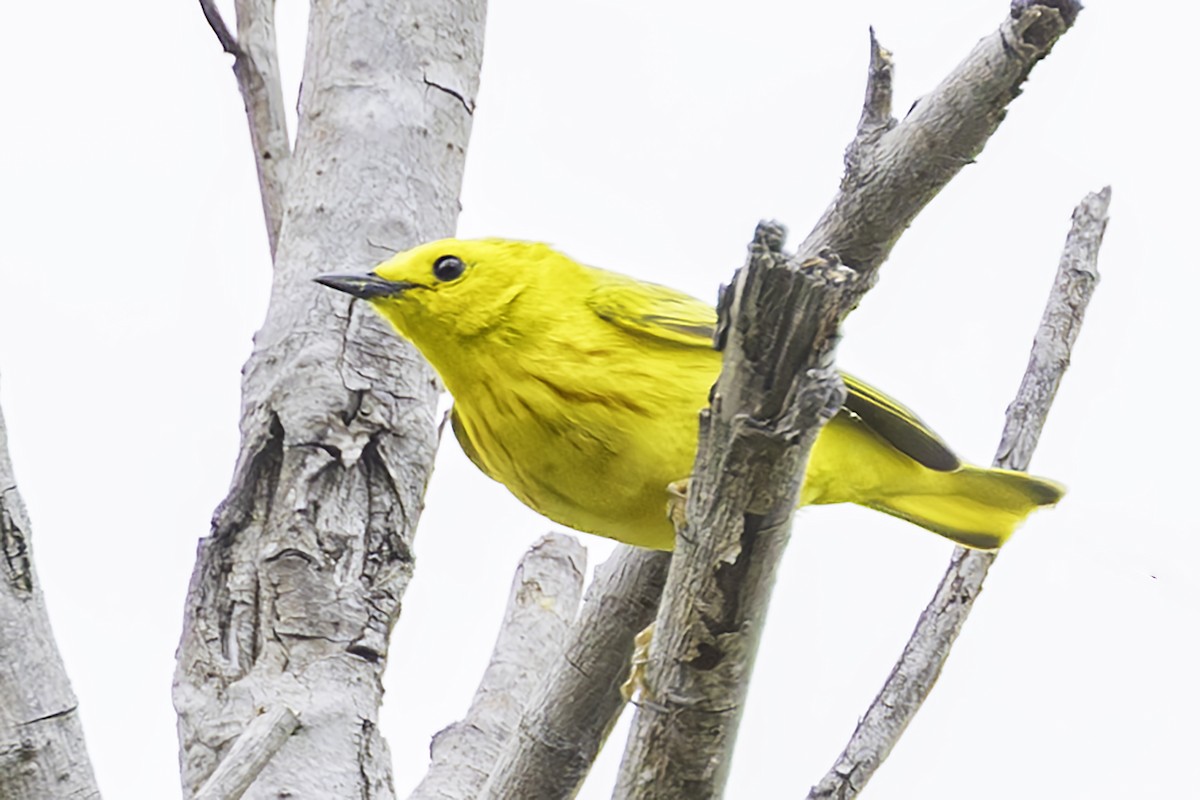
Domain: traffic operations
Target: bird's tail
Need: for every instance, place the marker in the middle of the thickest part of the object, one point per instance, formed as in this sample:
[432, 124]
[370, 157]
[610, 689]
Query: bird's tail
[973, 506]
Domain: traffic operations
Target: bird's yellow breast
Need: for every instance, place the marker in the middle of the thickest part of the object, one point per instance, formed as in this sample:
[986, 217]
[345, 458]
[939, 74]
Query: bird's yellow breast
[586, 431]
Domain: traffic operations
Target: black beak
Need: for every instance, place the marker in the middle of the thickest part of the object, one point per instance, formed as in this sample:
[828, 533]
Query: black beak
[365, 287]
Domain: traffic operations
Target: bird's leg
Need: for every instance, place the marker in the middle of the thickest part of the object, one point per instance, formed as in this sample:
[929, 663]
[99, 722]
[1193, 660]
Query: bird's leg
[635, 684]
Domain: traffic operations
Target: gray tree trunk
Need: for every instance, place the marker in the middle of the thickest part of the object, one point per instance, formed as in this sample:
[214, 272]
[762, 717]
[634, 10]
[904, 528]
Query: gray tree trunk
[42, 751]
[296, 589]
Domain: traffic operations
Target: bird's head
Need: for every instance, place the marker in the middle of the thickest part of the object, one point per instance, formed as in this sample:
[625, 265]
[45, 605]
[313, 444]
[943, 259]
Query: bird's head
[449, 291]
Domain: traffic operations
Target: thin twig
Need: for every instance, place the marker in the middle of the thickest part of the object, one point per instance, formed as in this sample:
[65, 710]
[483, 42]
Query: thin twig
[920, 664]
[217, 23]
[256, 67]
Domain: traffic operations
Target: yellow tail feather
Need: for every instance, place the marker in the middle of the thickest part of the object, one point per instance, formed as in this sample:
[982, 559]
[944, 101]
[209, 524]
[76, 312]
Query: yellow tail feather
[975, 507]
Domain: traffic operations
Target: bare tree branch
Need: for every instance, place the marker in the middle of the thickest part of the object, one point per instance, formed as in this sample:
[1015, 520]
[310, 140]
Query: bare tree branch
[541, 607]
[42, 750]
[718, 589]
[296, 590]
[217, 23]
[921, 662]
[778, 387]
[256, 67]
[893, 169]
[257, 745]
[579, 700]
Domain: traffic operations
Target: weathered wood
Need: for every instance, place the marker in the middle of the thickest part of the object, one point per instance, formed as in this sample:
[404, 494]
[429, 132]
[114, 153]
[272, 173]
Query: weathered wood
[920, 664]
[42, 751]
[579, 699]
[257, 745]
[894, 168]
[296, 590]
[541, 607]
[779, 325]
[256, 67]
[715, 604]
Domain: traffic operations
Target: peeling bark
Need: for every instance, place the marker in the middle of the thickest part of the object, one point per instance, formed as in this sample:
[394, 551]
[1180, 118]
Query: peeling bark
[718, 589]
[296, 589]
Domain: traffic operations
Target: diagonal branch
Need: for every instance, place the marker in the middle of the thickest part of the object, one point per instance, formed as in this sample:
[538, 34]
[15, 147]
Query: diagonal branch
[250, 752]
[256, 67]
[919, 666]
[893, 169]
[718, 589]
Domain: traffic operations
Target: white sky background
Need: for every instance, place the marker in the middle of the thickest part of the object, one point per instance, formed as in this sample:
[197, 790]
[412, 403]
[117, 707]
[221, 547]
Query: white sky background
[647, 138]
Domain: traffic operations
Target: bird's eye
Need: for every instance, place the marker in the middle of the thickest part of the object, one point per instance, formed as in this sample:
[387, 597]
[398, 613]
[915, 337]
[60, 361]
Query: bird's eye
[447, 268]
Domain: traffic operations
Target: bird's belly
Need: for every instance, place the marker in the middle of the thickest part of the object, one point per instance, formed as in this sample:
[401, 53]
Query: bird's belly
[596, 467]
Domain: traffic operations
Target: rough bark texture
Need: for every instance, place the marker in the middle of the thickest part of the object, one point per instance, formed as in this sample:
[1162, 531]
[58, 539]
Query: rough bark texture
[42, 751]
[296, 589]
[708, 626]
[893, 169]
[541, 607]
[778, 386]
[579, 698]
[920, 664]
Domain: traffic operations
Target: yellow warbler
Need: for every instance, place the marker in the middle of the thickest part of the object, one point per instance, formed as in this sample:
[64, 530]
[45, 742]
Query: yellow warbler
[579, 389]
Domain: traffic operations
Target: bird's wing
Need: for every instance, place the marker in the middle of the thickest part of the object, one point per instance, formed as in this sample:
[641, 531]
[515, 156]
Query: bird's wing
[646, 309]
[898, 425]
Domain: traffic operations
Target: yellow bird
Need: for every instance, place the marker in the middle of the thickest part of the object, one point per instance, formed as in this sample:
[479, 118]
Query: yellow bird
[579, 389]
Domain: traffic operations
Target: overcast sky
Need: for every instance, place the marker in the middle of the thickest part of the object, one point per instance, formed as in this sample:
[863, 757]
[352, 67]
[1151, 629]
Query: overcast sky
[647, 138]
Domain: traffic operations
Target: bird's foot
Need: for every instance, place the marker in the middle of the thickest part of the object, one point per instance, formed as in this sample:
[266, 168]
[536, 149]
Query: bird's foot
[635, 685]
[677, 492]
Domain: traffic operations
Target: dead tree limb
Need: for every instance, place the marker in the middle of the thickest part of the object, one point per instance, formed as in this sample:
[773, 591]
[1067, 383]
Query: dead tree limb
[256, 67]
[541, 607]
[297, 588]
[718, 589]
[579, 699]
[42, 749]
[921, 663]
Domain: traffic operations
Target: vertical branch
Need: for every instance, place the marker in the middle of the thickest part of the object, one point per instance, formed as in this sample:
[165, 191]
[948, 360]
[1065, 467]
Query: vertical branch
[927, 650]
[776, 390]
[42, 750]
[256, 67]
[296, 591]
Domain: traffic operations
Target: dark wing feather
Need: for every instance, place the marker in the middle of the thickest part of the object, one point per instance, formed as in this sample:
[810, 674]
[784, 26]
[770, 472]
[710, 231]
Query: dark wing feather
[647, 309]
[898, 425]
